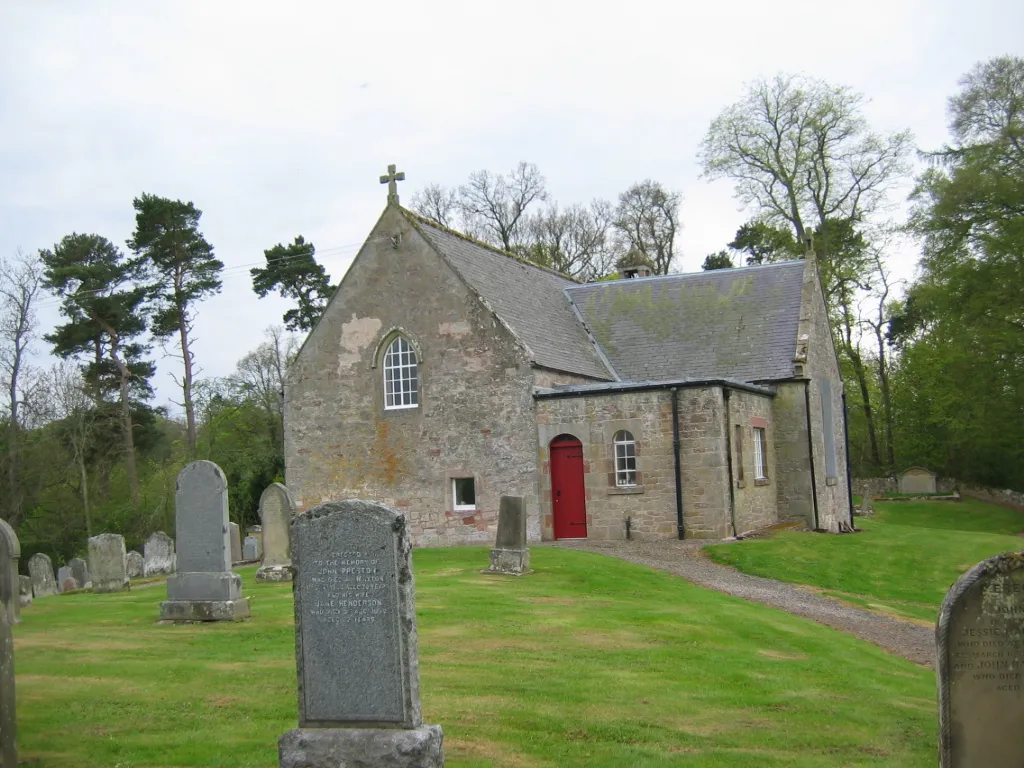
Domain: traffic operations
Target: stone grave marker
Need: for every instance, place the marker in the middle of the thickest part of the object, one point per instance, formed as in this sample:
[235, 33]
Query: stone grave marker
[66, 579]
[80, 570]
[980, 665]
[276, 512]
[107, 563]
[40, 568]
[204, 588]
[134, 565]
[25, 590]
[12, 600]
[916, 480]
[356, 643]
[251, 549]
[510, 555]
[158, 555]
[8, 719]
[236, 543]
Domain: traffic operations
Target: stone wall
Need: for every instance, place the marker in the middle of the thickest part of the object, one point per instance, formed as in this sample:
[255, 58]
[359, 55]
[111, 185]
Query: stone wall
[755, 500]
[793, 473]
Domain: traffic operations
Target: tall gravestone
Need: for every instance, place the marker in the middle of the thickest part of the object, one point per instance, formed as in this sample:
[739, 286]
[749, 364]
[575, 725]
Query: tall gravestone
[980, 644]
[11, 600]
[204, 587]
[510, 555]
[276, 512]
[107, 563]
[40, 568]
[158, 555]
[355, 643]
[236, 543]
[80, 570]
[8, 720]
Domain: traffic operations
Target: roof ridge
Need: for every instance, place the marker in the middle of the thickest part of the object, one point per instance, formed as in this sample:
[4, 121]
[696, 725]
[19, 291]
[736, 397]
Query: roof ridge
[702, 273]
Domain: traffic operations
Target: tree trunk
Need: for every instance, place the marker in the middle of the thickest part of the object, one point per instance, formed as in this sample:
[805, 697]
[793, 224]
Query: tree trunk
[84, 487]
[14, 496]
[858, 368]
[186, 388]
[126, 424]
[883, 382]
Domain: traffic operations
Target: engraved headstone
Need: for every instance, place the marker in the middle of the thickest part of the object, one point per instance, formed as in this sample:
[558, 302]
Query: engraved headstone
[25, 590]
[80, 570]
[276, 512]
[510, 555]
[134, 564]
[236, 543]
[204, 587]
[11, 600]
[356, 642]
[40, 568]
[251, 549]
[158, 555]
[107, 563]
[65, 579]
[8, 719]
[980, 643]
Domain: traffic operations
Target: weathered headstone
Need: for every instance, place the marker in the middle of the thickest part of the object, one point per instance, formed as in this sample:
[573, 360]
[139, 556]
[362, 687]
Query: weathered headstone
[66, 579]
[276, 512]
[356, 643]
[8, 720]
[11, 600]
[980, 643]
[236, 543]
[25, 590]
[158, 555]
[916, 480]
[80, 570]
[204, 587]
[251, 549]
[107, 563]
[134, 565]
[510, 555]
[40, 568]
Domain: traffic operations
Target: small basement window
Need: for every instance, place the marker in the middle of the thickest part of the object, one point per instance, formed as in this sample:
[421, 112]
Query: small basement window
[463, 493]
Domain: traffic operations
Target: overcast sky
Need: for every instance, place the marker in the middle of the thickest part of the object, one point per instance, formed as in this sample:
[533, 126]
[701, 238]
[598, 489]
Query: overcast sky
[277, 119]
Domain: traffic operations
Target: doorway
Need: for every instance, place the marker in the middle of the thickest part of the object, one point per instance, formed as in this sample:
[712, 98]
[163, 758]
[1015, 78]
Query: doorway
[568, 497]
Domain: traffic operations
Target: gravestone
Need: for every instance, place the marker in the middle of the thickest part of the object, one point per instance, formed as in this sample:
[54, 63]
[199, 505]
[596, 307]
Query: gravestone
[251, 549]
[40, 568]
[66, 579]
[80, 571]
[204, 588]
[916, 480]
[510, 555]
[158, 555]
[12, 601]
[8, 720]
[107, 563]
[25, 590]
[276, 512]
[355, 643]
[980, 644]
[236, 543]
[134, 565]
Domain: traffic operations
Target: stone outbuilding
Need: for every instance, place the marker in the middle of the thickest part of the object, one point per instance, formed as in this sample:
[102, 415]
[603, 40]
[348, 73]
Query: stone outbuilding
[445, 373]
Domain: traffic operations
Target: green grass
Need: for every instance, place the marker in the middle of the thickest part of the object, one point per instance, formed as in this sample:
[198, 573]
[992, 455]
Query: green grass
[903, 562]
[588, 662]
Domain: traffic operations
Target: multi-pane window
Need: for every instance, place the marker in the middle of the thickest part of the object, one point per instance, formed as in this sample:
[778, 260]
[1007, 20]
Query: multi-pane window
[760, 454]
[463, 493]
[401, 376]
[625, 459]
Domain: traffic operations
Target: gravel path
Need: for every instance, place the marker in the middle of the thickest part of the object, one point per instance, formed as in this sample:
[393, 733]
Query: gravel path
[684, 558]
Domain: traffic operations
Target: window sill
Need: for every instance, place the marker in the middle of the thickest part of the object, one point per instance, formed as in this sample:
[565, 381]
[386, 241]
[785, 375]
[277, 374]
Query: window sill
[627, 490]
[464, 509]
[831, 481]
[400, 407]
[762, 481]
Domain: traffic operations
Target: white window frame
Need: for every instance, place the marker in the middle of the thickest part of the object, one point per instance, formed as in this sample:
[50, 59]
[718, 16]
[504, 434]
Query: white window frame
[404, 388]
[760, 453]
[625, 453]
[455, 495]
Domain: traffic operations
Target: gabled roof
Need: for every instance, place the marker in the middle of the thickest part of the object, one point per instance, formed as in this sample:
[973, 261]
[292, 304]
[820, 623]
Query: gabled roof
[529, 300]
[721, 324]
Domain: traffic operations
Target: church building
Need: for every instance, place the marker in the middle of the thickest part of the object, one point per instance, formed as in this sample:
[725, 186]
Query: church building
[445, 373]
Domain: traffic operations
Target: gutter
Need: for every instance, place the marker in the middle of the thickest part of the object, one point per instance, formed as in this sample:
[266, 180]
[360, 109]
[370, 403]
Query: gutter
[613, 388]
[728, 460]
[810, 452]
[675, 456]
[846, 442]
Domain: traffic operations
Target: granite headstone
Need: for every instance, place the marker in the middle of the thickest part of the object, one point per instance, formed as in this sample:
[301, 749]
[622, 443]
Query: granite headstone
[40, 568]
[80, 570]
[510, 555]
[134, 565]
[8, 719]
[356, 643]
[25, 590]
[12, 601]
[204, 588]
[276, 512]
[236, 543]
[980, 665]
[158, 555]
[107, 563]
[916, 480]
[251, 549]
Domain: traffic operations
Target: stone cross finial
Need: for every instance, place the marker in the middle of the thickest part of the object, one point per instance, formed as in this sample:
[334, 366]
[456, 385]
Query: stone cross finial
[390, 179]
[809, 241]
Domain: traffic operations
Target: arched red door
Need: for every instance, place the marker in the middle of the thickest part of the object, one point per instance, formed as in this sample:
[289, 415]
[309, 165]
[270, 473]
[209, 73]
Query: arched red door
[568, 498]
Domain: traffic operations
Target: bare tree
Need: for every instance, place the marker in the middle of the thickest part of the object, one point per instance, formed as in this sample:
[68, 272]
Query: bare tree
[260, 376]
[647, 221]
[71, 404]
[493, 207]
[437, 204]
[575, 241]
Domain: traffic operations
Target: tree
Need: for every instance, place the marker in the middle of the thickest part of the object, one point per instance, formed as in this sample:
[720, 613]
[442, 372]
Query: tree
[292, 271]
[259, 377]
[647, 219]
[75, 413]
[493, 207]
[103, 307]
[574, 241]
[720, 260]
[437, 204]
[764, 243]
[168, 242]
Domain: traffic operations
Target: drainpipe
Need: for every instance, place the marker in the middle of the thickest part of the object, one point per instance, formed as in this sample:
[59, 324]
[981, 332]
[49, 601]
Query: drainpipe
[675, 455]
[810, 452]
[728, 459]
[846, 442]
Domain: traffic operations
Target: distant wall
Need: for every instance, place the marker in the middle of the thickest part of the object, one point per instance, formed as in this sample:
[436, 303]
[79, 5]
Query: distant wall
[878, 486]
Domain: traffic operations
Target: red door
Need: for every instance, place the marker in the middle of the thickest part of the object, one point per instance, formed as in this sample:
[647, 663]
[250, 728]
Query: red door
[568, 499]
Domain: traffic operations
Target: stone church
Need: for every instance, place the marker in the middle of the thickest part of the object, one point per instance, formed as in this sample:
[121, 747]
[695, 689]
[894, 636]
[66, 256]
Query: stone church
[445, 374]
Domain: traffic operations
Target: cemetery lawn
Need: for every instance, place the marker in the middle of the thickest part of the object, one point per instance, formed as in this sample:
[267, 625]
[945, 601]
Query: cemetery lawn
[590, 661]
[903, 562]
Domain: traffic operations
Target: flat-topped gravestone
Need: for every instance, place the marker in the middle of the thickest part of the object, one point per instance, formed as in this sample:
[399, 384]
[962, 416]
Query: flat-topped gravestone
[356, 643]
[204, 587]
[236, 543]
[25, 590]
[80, 570]
[107, 565]
[8, 720]
[134, 564]
[510, 555]
[251, 549]
[916, 480]
[980, 643]
[11, 599]
[40, 568]
[158, 555]
[276, 512]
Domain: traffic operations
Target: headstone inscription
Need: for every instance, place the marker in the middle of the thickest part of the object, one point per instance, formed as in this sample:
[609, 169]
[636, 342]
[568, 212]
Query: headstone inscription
[40, 568]
[276, 512]
[8, 721]
[107, 563]
[510, 555]
[980, 644]
[12, 600]
[25, 590]
[134, 564]
[236, 543]
[158, 555]
[356, 643]
[204, 588]
[80, 571]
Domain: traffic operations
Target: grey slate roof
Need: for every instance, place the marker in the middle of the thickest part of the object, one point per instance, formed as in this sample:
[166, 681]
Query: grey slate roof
[727, 323]
[529, 300]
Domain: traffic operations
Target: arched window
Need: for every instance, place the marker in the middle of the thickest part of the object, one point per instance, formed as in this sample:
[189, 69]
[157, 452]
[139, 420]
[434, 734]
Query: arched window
[401, 375]
[625, 459]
